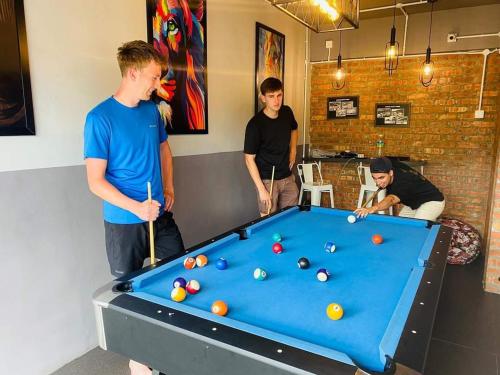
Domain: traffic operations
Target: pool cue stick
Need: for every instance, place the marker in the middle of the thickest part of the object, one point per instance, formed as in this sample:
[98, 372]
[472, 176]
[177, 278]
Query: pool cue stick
[151, 234]
[271, 192]
[371, 198]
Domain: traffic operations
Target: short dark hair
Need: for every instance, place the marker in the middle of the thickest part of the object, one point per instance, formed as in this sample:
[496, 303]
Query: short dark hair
[137, 54]
[380, 165]
[270, 84]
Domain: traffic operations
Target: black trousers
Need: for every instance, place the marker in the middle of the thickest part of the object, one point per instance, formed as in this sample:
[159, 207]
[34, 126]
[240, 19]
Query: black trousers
[127, 245]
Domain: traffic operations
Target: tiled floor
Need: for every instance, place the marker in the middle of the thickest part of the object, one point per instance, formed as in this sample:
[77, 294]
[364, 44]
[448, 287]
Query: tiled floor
[466, 338]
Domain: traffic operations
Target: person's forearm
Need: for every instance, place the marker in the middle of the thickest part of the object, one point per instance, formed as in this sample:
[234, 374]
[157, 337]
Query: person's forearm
[293, 141]
[167, 172]
[384, 204]
[104, 190]
[254, 173]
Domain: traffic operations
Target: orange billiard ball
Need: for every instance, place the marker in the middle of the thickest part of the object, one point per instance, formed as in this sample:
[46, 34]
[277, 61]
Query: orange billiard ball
[219, 308]
[377, 239]
[201, 260]
[189, 263]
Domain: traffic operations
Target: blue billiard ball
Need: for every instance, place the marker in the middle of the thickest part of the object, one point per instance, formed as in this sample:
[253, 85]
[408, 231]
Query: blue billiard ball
[179, 282]
[322, 274]
[221, 264]
[277, 237]
[330, 247]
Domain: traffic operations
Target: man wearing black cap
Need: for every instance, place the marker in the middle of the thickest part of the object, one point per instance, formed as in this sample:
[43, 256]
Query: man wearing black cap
[420, 198]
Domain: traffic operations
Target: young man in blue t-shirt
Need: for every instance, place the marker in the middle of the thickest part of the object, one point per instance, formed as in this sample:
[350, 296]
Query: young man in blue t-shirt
[125, 147]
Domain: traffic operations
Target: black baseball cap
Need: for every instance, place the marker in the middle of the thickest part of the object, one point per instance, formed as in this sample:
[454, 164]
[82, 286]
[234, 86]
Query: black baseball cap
[380, 165]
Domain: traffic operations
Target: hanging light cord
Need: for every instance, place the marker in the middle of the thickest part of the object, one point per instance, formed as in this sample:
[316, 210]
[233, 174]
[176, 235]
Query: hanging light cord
[430, 26]
[340, 44]
[394, 14]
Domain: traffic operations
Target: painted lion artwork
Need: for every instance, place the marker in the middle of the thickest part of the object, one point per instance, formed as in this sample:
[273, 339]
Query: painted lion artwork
[179, 35]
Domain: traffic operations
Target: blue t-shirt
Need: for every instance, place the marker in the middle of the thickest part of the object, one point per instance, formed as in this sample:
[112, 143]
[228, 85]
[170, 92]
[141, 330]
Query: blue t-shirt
[129, 139]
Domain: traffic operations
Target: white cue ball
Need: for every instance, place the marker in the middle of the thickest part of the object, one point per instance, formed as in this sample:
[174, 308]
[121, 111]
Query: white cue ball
[351, 219]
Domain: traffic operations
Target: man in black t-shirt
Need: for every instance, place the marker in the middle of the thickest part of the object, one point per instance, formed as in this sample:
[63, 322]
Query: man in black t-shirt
[271, 140]
[420, 198]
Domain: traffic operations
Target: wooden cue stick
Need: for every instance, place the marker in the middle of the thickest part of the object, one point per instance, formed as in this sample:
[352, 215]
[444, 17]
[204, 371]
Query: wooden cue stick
[371, 198]
[271, 193]
[151, 234]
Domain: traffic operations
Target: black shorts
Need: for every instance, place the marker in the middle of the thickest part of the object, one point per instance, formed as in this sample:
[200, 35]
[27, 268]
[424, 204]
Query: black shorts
[127, 245]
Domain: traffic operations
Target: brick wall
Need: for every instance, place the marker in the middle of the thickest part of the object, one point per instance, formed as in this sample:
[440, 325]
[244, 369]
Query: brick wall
[492, 274]
[459, 150]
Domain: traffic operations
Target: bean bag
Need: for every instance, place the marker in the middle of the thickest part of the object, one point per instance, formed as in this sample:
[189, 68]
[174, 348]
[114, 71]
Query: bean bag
[465, 244]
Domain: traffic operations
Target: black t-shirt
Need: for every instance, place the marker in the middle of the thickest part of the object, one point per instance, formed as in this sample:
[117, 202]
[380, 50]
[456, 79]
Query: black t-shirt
[269, 140]
[411, 187]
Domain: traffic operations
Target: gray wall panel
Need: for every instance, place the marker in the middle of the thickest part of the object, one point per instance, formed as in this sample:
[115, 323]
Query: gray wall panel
[53, 255]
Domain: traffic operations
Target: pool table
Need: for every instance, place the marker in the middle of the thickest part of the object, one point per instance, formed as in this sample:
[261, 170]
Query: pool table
[389, 294]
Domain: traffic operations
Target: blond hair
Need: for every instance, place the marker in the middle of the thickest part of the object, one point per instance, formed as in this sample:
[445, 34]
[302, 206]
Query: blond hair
[137, 54]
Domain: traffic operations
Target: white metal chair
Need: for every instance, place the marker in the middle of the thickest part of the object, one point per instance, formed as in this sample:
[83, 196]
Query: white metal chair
[307, 183]
[368, 185]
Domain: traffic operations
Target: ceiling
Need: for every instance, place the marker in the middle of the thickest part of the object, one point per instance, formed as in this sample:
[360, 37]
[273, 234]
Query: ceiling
[439, 5]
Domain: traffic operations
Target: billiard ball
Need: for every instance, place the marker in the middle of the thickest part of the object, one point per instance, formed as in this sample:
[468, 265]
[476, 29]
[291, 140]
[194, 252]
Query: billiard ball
[322, 274]
[377, 239]
[351, 219]
[201, 260]
[178, 294]
[334, 311]
[259, 274]
[277, 237]
[277, 248]
[303, 263]
[330, 247]
[189, 263]
[219, 308]
[179, 282]
[193, 287]
[221, 264]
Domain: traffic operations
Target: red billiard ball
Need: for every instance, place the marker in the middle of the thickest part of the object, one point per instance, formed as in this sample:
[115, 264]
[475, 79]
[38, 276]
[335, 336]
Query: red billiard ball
[277, 248]
[377, 239]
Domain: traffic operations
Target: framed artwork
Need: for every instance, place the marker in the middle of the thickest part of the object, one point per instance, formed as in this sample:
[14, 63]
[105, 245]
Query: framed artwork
[178, 30]
[392, 115]
[16, 106]
[269, 58]
[345, 107]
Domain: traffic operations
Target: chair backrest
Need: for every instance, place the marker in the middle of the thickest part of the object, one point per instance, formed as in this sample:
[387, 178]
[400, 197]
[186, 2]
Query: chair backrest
[365, 176]
[306, 172]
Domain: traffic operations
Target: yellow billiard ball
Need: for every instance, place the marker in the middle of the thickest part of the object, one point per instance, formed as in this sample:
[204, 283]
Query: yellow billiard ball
[334, 311]
[178, 294]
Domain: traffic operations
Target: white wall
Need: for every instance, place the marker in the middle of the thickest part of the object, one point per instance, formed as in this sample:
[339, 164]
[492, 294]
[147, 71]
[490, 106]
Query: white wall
[51, 236]
[72, 47]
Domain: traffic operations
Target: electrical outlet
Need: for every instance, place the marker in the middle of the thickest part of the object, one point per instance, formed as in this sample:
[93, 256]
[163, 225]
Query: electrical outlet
[479, 114]
[329, 44]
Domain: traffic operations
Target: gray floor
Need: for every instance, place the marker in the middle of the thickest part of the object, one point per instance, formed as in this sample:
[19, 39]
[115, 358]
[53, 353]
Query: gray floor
[466, 337]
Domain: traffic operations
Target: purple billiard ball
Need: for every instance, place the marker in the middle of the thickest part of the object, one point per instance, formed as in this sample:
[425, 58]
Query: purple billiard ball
[180, 282]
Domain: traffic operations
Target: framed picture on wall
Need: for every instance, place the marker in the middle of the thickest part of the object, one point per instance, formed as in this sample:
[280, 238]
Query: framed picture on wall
[178, 30]
[392, 115]
[16, 106]
[269, 58]
[345, 107]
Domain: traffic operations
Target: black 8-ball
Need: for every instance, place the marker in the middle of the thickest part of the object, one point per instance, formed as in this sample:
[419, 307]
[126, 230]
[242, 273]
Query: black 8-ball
[303, 263]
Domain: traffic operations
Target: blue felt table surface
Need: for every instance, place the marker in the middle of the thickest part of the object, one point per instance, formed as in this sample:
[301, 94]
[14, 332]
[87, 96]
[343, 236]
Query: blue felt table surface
[290, 305]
